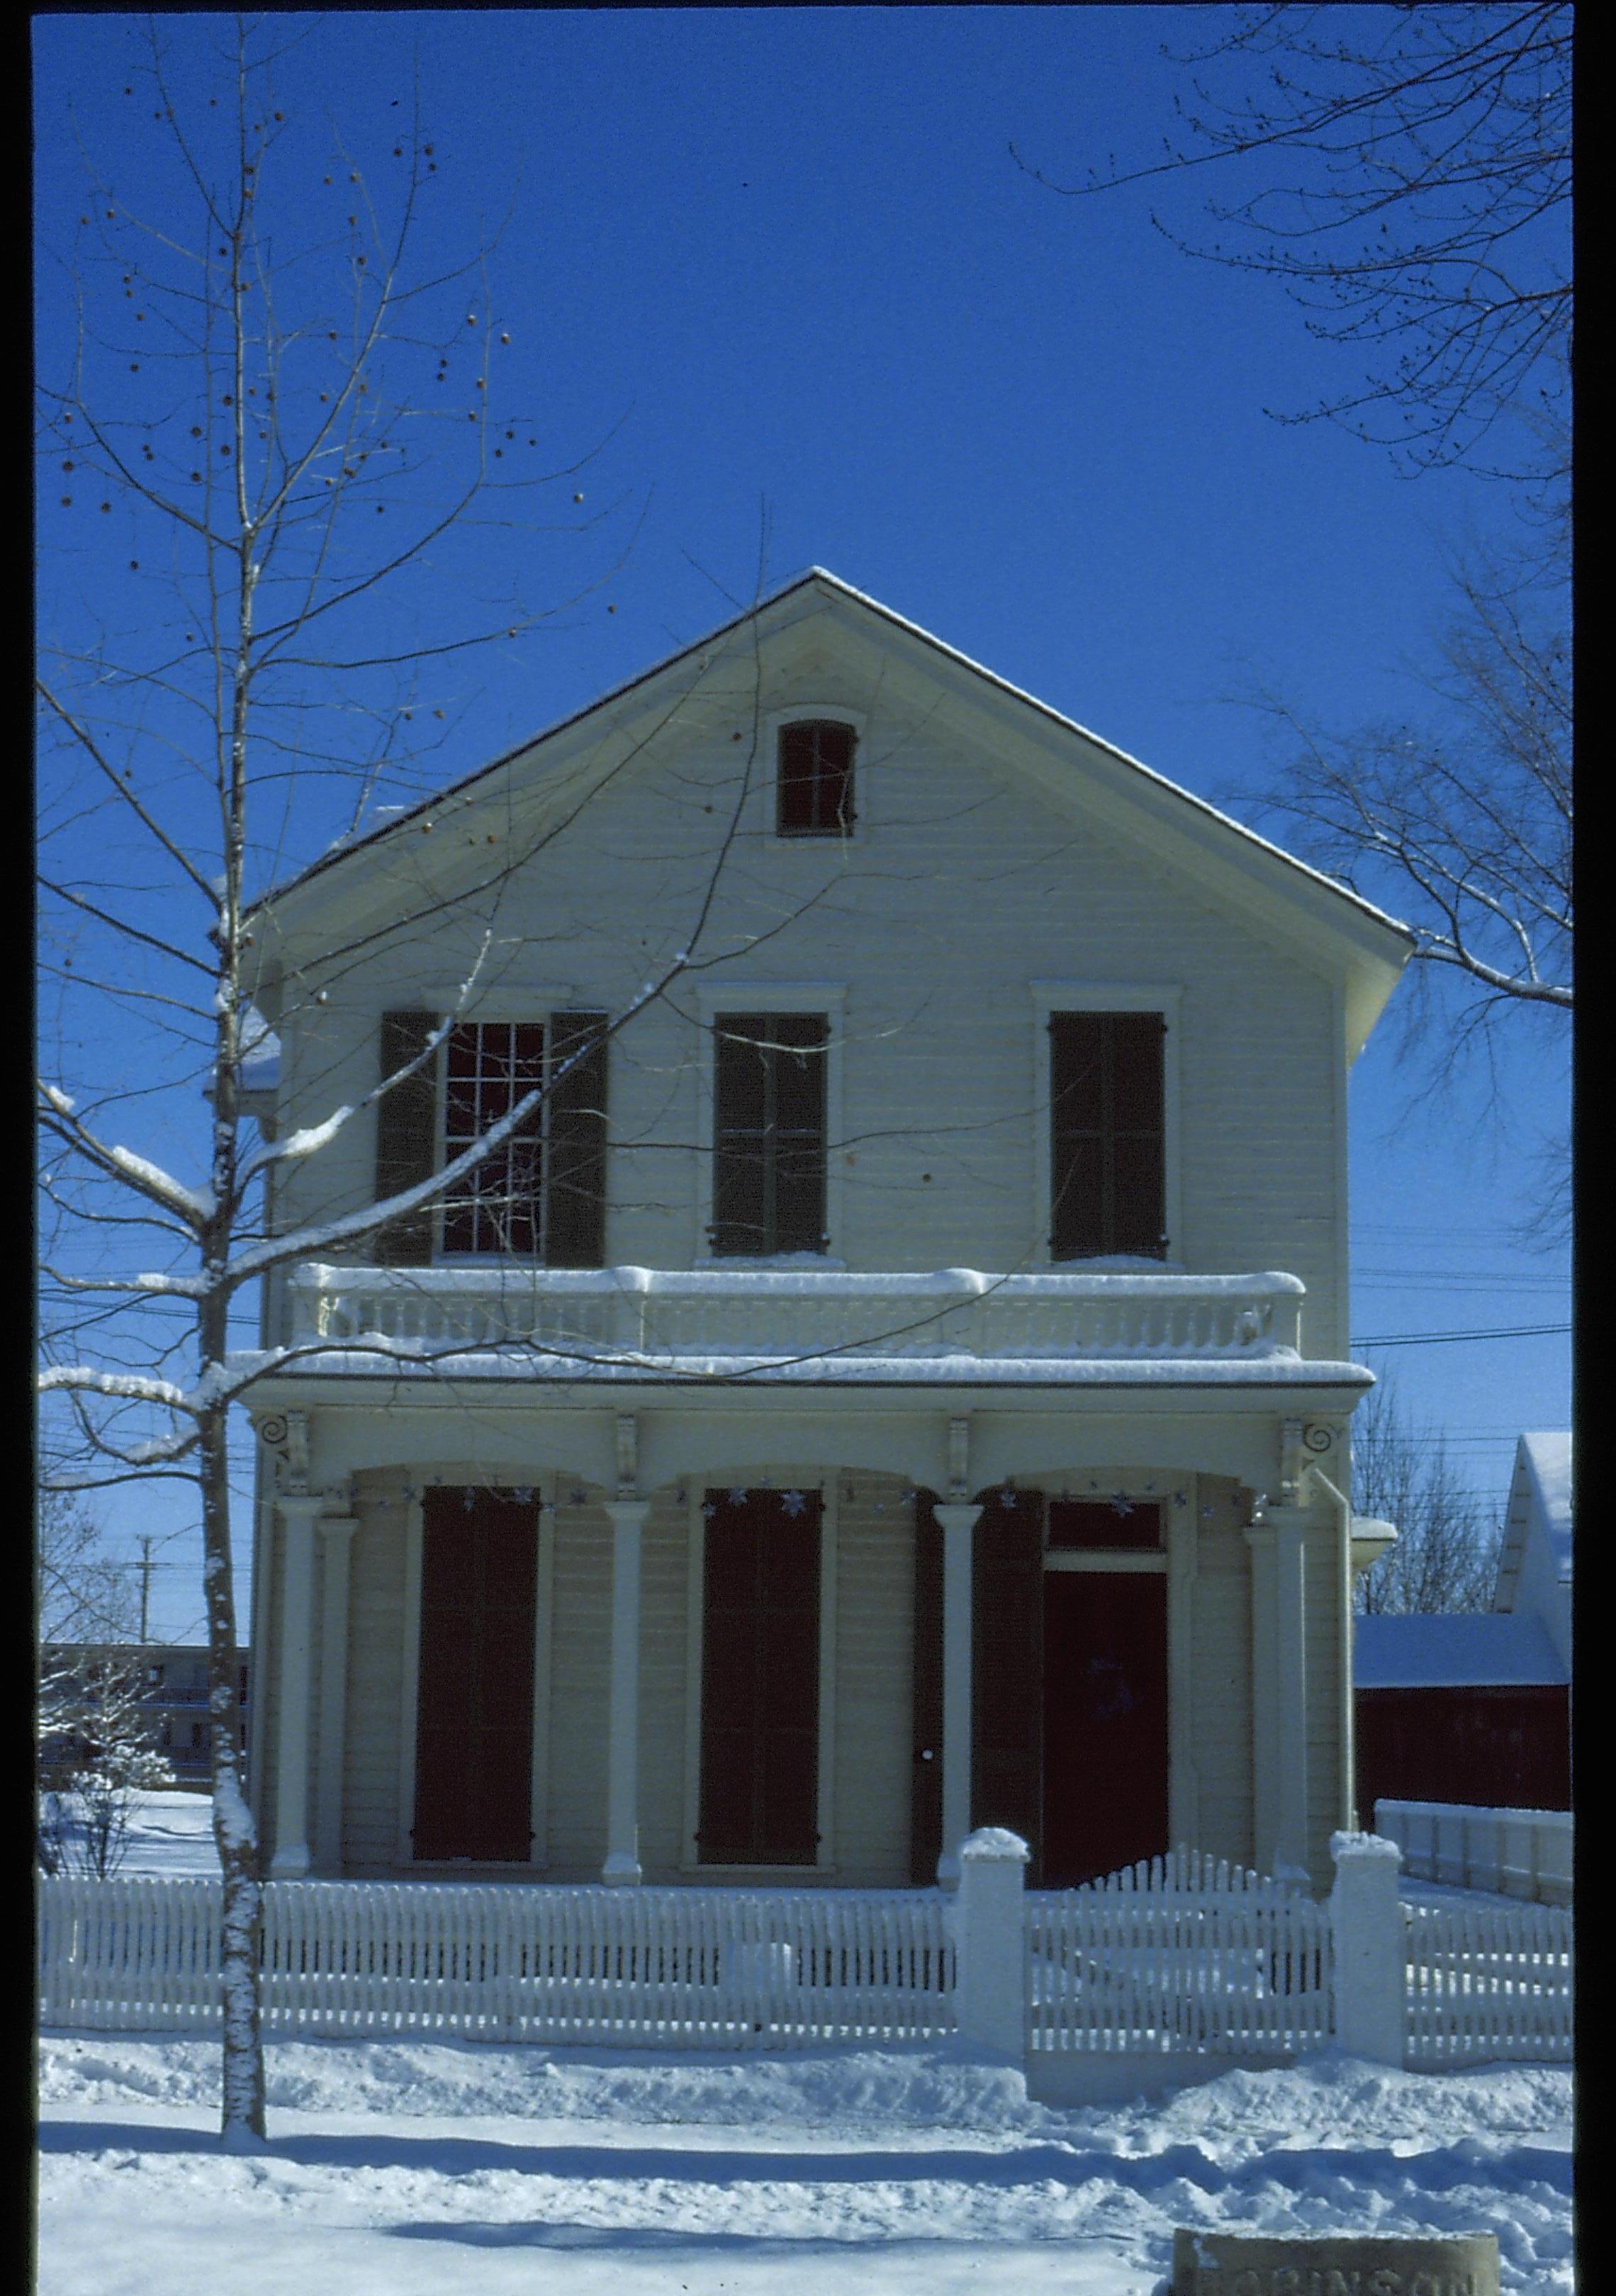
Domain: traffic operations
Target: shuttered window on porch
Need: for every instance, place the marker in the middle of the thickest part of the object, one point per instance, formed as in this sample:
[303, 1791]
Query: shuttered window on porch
[542, 1193]
[768, 1133]
[1107, 1135]
[760, 1785]
[474, 1706]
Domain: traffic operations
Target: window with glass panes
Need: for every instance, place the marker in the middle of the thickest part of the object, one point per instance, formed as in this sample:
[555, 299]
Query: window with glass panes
[814, 786]
[541, 1193]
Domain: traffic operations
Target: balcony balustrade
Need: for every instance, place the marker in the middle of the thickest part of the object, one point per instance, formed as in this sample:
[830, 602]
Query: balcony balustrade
[643, 1317]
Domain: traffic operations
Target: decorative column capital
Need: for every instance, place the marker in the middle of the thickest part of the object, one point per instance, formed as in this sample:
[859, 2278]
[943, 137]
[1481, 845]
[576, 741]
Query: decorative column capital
[284, 1435]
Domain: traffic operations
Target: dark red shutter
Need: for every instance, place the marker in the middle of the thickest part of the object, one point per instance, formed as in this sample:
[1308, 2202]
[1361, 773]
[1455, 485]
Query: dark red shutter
[575, 1223]
[406, 1138]
[1107, 1137]
[474, 1710]
[759, 1784]
[1007, 1665]
[770, 1133]
[926, 1798]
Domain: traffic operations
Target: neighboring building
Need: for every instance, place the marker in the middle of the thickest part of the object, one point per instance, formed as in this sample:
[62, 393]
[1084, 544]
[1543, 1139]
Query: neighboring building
[724, 1538]
[1476, 1707]
[173, 1695]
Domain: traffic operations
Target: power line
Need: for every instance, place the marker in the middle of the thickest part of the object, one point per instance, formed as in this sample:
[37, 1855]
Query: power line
[1446, 1339]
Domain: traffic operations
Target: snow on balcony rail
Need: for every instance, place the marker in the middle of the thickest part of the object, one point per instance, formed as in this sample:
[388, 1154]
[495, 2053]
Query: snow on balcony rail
[747, 1317]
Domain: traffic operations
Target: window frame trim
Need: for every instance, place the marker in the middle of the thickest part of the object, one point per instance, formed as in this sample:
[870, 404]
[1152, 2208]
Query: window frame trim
[713, 1000]
[773, 722]
[1165, 998]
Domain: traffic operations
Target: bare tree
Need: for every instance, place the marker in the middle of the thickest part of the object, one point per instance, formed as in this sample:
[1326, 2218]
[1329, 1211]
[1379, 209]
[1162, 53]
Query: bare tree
[83, 1592]
[1406, 175]
[300, 432]
[98, 1754]
[1447, 1553]
[278, 418]
[1459, 819]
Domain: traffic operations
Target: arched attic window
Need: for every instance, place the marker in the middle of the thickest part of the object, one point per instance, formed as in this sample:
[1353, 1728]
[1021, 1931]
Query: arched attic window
[814, 783]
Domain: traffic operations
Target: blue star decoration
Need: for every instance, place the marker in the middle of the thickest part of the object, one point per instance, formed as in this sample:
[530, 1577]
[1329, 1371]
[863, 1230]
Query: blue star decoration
[910, 1496]
[1007, 1496]
[410, 1492]
[737, 1498]
[523, 1495]
[578, 1497]
[679, 1495]
[468, 1498]
[794, 1502]
[1120, 1503]
[708, 1511]
[1179, 1499]
[1207, 1513]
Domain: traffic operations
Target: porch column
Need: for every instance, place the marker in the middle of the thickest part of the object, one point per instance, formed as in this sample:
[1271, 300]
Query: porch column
[958, 1524]
[623, 1756]
[336, 1540]
[1279, 1717]
[291, 1861]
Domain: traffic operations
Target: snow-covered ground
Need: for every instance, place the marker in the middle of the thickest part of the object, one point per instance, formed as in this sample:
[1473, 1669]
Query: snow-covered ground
[411, 2168]
[415, 2168]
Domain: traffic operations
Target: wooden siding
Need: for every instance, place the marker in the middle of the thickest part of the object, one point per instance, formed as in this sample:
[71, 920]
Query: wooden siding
[1221, 1666]
[371, 1816]
[874, 1652]
[580, 1683]
[938, 1019]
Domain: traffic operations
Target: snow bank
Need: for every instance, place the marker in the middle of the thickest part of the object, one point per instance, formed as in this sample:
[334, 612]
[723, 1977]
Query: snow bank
[419, 2169]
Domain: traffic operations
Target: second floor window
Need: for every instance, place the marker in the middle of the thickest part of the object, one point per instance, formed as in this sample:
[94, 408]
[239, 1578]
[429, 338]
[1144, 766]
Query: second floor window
[541, 1193]
[489, 1067]
[1107, 1135]
[768, 1133]
[815, 780]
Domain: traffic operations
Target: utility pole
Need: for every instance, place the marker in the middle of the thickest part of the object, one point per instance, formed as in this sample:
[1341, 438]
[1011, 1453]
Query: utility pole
[146, 1545]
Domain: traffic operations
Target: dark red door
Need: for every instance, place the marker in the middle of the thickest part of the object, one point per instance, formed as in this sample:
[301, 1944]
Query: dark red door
[760, 1679]
[1105, 1740]
[475, 1714]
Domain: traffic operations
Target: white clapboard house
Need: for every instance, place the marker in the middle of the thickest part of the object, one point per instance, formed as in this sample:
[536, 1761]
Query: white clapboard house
[896, 1379]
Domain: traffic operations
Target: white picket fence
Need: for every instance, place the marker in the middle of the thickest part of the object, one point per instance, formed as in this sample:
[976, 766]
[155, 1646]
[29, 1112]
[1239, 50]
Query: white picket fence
[1521, 1853]
[661, 1968]
[1487, 1983]
[1185, 1953]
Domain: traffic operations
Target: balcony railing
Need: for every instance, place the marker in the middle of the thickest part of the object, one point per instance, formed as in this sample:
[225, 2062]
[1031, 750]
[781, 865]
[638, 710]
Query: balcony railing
[648, 1317]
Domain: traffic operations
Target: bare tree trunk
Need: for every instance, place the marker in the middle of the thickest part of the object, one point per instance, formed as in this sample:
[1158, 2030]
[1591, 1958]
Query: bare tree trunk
[235, 1833]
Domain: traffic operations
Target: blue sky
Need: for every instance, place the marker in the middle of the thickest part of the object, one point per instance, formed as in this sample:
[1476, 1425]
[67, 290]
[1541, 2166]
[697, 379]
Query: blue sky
[784, 263]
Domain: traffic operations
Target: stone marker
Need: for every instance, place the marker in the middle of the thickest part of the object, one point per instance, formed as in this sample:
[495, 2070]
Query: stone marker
[1241, 2263]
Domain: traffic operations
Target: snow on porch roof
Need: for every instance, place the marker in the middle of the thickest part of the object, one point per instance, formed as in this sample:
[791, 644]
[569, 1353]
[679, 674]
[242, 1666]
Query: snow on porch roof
[833, 583]
[1453, 1650]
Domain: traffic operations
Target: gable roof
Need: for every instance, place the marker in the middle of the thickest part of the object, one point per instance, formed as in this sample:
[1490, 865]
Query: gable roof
[1380, 944]
[1539, 1507]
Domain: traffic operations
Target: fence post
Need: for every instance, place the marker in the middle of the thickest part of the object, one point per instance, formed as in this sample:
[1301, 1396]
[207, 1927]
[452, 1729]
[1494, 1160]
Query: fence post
[991, 1944]
[1370, 1954]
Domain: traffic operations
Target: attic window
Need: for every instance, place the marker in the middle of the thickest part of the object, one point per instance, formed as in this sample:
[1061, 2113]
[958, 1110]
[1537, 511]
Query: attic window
[814, 782]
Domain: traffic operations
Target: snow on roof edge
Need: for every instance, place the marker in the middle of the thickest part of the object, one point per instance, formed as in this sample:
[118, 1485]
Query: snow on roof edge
[330, 858]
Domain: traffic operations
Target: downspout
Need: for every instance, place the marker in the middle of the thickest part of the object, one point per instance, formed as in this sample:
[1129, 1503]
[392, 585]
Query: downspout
[1343, 1508]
